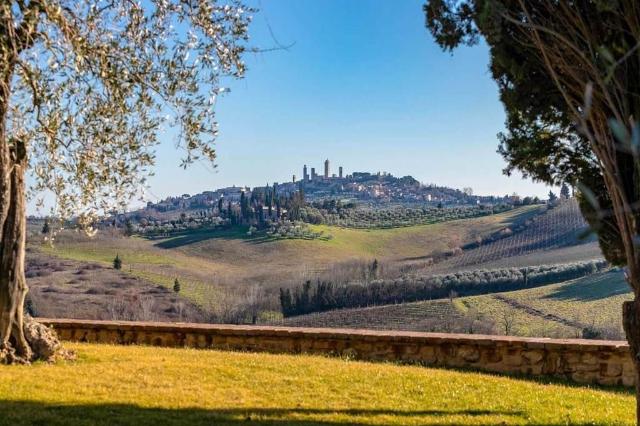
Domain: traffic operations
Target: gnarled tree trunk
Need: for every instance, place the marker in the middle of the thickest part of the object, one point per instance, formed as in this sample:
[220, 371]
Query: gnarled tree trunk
[13, 287]
[21, 338]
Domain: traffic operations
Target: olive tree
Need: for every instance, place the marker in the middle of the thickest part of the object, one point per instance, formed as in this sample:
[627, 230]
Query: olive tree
[569, 77]
[86, 89]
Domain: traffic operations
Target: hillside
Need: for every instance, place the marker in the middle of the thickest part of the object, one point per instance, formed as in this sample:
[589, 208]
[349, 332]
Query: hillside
[138, 385]
[61, 288]
[547, 238]
[559, 310]
[224, 271]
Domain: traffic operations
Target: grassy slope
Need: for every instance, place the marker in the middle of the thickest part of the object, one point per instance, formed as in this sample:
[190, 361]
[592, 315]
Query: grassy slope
[594, 300]
[206, 261]
[151, 386]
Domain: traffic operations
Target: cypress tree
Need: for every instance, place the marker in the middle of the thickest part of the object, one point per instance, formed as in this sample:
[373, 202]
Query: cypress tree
[117, 262]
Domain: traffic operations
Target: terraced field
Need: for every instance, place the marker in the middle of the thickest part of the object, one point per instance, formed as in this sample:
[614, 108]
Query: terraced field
[437, 315]
[552, 237]
[558, 310]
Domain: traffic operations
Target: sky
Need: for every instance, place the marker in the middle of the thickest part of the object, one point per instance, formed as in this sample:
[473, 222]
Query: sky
[361, 83]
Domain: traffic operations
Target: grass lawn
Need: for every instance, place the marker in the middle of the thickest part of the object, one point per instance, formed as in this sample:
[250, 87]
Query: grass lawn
[122, 385]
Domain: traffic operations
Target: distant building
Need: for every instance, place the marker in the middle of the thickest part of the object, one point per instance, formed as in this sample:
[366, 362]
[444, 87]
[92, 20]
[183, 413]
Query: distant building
[326, 168]
[340, 172]
[305, 175]
[294, 179]
[313, 173]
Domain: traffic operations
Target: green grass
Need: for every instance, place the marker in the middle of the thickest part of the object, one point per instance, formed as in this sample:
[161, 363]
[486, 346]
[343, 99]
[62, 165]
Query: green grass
[595, 300]
[134, 385]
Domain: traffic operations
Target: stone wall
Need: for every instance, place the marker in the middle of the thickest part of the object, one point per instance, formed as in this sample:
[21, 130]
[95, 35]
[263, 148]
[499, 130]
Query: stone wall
[583, 361]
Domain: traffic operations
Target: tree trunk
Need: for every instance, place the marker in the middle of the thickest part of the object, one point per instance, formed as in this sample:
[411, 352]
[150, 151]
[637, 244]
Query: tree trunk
[13, 287]
[631, 323]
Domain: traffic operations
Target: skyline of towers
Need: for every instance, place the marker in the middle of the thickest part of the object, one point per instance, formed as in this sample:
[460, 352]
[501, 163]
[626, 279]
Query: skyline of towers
[306, 176]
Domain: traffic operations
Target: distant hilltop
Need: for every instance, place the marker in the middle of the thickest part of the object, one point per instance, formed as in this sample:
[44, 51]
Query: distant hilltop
[367, 187]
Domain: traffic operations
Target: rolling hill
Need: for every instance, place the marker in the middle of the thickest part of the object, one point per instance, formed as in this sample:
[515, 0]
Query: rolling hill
[221, 270]
[227, 275]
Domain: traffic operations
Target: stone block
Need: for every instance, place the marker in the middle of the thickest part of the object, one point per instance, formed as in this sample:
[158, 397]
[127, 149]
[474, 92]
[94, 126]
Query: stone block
[427, 354]
[590, 358]
[610, 369]
[533, 357]
[469, 353]
[491, 355]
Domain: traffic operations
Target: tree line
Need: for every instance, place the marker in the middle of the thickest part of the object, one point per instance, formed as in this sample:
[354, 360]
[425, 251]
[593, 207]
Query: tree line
[325, 295]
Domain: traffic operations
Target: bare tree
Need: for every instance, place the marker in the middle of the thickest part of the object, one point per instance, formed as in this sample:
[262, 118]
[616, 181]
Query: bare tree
[85, 87]
[507, 320]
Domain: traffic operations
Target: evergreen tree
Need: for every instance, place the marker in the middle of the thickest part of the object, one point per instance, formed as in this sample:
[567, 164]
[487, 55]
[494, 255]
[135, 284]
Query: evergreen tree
[117, 262]
[220, 201]
[244, 207]
[286, 303]
[176, 286]
[552, 197]
[46, 229]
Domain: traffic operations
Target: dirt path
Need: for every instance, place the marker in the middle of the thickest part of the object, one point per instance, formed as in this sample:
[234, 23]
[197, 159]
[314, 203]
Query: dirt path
[538, 313]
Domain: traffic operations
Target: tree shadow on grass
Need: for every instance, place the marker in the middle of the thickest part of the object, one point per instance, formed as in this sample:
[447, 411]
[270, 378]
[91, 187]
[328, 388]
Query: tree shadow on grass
[186, 238]
[37, 413]
[592, 288]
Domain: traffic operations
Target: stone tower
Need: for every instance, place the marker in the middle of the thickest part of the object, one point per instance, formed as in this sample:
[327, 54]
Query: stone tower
[326, 169]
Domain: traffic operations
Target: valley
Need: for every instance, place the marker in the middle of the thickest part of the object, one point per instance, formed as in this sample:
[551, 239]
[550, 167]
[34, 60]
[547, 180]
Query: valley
[230, 274]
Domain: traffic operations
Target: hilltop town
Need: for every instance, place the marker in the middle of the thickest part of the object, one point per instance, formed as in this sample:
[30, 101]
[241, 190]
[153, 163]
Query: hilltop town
[378, 188]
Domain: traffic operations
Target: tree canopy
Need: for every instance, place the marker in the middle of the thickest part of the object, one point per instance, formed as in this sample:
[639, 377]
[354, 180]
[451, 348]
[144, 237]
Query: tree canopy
[87, 88]
[565, 70]
[92, 84]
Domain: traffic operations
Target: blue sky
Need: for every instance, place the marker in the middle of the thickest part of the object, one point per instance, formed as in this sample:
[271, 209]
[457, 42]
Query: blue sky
[364, 85]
